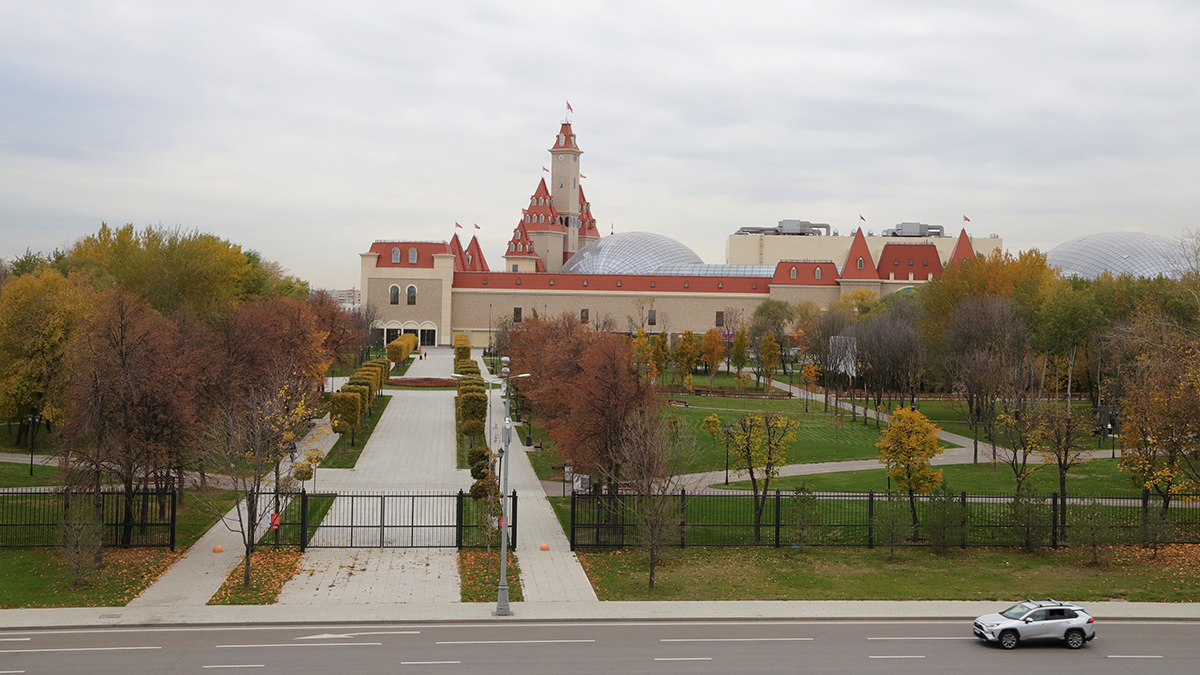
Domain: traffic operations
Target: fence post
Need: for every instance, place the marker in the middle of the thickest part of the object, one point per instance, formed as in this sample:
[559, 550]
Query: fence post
[870, 519]
[458, 520]
[1145, 511]
[1053, 520]
[682, 517]
[572, 520]
[512, 538]
[303, 520]
[174, 502]
[778, 513]
[963, 543]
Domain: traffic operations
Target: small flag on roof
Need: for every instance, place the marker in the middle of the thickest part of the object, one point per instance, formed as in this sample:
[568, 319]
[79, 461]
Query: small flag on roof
[861, 218]
[477, 226]
[966, 219]
[545, 169]
[569, 108]
[458, 226]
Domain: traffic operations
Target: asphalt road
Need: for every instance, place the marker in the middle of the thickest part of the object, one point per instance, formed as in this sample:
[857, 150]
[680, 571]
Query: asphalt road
[594, 648]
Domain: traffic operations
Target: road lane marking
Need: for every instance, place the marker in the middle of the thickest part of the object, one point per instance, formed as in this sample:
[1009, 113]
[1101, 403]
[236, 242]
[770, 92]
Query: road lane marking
[684, 658]
[895, 657]
[508, 642]
[13, 672]
[1133, 656]
[330, 636]
[426, 663]
[75, 649]
[958, 637]
[733, 639]
[13, 640]
[307, 644]
[240, 665]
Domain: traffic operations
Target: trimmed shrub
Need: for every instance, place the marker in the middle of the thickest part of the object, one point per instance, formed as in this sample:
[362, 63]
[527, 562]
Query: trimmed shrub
[473, 406]
[344, 411]
[399, 349]
[364, 396]
[472, 428]
[462, 348]
[485, 486]
[478, 455]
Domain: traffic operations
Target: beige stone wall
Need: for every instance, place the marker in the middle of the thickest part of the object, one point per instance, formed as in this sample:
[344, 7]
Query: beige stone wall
[548, 246]
[427, 309]
[695, 312]
[822, 295]
[758, 249]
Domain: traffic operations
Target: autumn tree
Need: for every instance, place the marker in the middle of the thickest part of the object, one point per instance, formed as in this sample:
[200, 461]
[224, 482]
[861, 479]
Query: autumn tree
[1066, 320]
[687, 351]
[739, 353]
[1062, 437]
[906, 448]
[759, 442]
[713, 349]
[768, 358]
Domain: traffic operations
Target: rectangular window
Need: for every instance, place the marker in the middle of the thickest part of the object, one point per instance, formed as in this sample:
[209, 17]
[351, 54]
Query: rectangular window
[583, 316]
[652, 317]
[514, 267]
[516, 315]
[720, 322]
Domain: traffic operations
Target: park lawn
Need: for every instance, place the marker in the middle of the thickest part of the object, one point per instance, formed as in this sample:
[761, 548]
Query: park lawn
[36, 577]
[855, 573]
[17, 475]
[43, 445]
[1094, 478]
[479, 575]
[342, 456]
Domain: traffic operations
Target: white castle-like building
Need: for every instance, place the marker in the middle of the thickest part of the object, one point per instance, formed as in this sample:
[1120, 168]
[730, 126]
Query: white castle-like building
[556, 261]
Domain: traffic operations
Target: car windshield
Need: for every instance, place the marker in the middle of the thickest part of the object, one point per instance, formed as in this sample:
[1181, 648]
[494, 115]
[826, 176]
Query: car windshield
[1016, 611]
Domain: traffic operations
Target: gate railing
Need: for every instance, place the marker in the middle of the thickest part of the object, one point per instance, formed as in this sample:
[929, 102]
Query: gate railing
[33, 516]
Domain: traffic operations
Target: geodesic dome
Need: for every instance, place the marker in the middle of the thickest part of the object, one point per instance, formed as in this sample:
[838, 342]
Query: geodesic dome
[1134, 253]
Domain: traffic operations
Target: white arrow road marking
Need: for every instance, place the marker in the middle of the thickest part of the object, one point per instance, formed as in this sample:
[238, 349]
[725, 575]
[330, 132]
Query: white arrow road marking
[308, 644]
[684, 658]
[895, 657]
[426, 663]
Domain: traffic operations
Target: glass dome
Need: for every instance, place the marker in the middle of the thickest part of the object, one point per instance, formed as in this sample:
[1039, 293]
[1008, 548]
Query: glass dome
[1133, 253]
[630, 253]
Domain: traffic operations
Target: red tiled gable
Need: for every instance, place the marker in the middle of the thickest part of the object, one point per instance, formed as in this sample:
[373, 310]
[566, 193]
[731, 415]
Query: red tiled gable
[611, 282]
[541, 214]
[858, 249]
[425, 252]
[587, 221]
[806, 273]
[520, 245]
[962, 250]
[901, 259]
[457, 249]
[475, 260]
[565, 138]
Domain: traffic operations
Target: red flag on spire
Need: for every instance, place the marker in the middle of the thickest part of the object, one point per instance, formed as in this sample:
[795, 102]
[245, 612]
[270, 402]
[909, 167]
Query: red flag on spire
[458, 226]
[966, 219]
[476, 226]
[582, 176]
[569, 107]
[861, 218]
[545, 169]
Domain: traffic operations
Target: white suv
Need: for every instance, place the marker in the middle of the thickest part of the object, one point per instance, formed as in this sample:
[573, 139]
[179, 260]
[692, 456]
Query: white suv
[1037, 620]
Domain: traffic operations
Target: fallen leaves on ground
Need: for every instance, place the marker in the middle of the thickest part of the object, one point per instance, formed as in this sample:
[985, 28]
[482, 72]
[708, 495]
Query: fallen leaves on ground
[38, 578]
[270, 569]
[479, 575]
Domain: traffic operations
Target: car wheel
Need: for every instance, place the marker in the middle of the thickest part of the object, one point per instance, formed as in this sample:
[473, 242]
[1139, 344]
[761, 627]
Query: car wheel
[1074, 639]
[1008, 639]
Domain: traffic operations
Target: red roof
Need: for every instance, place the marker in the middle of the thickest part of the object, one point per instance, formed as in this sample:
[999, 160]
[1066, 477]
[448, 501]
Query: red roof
[425, 252]
[565, 139]
[901, 259]
[475, 260]
[962, 250]
[457, 249]
[541, 214]
[587, 222]
[858, 250]
[611, 282]
[521, 244]
[806, 273]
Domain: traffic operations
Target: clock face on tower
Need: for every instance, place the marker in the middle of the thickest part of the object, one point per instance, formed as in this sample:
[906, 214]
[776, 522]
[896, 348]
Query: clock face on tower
[560, 158]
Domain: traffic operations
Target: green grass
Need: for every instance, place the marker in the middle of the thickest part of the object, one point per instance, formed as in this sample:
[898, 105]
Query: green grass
[1000, 575]
[479, 573]
[342, 456]
[43, 445]
[36, 577]
[17, 475]
[1097, 477]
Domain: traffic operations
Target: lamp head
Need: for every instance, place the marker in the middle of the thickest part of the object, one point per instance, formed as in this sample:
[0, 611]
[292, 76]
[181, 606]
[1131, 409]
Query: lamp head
[504, 361]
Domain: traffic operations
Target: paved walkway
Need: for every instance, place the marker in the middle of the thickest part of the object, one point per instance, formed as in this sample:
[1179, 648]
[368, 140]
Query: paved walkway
[339, 576]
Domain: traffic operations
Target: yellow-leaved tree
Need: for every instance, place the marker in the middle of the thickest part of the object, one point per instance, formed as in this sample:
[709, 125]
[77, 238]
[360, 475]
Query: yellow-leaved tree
[906, 448]
[760, 441]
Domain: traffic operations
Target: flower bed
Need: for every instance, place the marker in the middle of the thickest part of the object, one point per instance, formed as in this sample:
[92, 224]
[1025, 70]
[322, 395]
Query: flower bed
[422, 382]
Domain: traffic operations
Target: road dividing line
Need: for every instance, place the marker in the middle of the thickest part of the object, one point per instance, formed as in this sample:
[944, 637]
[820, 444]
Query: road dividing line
[14, 640]
[14, 672]
[241, 665]
[957, 637]
[306, 644]
[509, 642]
[684, 658]
[76, 649]
[895, 657]
[426, 663]
[1134, 656]
[735, 639]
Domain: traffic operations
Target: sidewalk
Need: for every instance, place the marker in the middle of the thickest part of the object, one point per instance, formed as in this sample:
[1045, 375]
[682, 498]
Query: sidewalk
[779, 610]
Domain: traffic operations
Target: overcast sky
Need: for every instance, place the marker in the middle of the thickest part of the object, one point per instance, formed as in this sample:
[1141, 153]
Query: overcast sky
[307, 130]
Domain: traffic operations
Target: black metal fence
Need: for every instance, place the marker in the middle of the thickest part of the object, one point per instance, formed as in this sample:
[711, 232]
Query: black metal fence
[379, 520]
[727, 518]
[33, 516]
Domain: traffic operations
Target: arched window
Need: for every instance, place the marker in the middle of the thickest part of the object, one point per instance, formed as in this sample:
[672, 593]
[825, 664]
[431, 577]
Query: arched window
[394, 295]
[860, 263]
[412, 295]
[395, 256]
[817, 272]
[412, 256]
[793, 272]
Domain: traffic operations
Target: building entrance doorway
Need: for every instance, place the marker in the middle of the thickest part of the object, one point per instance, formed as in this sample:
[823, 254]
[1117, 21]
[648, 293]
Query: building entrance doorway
[428, 337]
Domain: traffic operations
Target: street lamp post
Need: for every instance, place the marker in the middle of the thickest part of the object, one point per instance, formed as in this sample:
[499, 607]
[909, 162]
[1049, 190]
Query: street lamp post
[35, 420]
[502, 608]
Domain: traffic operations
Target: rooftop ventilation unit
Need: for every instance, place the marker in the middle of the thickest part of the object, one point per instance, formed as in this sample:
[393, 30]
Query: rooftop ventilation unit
[915, 230]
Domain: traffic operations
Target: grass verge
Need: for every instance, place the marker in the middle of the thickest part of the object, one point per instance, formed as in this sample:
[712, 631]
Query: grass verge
[480, 574]
[36, 577]
[1126, 573]
[342, 456]
[270, 569]
[17, 475]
